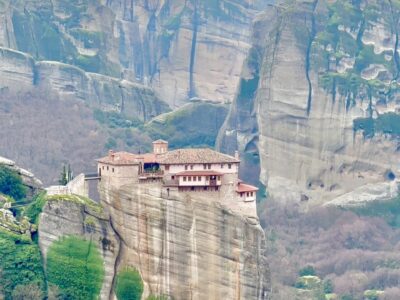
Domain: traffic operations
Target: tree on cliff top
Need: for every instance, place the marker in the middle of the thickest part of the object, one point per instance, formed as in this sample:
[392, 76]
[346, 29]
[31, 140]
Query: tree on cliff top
[11, 183]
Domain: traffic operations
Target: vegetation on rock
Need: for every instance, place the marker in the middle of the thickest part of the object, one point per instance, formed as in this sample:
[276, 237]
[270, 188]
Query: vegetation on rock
[388, 123]
[11, 183]
[34, 209]
[75, 266]
[129, 285]
[20, 266]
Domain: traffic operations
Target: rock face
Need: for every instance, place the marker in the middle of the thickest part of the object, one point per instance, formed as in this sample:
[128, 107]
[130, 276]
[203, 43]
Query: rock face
[319, 99]
[63, 217]
[164, 44]
[20, 71]
[187, 247]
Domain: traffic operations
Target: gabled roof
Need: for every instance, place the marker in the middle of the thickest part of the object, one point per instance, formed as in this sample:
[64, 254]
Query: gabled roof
[243, 188]
[160, 142]
[195, 156]
[119, 158]
[147, 157]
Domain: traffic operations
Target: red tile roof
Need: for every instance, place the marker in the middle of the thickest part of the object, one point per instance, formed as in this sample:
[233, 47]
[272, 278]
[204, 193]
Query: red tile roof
[243, 188]
[119, 158]
[148, 157]
[195, 156]
[160, 142]
[199, 173]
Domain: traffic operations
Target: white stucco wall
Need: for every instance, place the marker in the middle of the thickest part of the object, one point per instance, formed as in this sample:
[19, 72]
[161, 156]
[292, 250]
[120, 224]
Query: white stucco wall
[173, 169]
[202, 182]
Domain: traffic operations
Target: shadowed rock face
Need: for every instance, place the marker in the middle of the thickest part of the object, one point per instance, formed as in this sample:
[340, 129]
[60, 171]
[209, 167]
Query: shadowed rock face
[315, 71]
[185, 246]
[164, 44]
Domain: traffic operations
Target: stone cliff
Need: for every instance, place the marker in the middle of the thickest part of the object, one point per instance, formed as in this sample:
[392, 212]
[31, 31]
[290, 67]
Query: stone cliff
[164, 44]
[20, 72]
[185, 246]
[58, 112]
[64, 216]
[318, 102]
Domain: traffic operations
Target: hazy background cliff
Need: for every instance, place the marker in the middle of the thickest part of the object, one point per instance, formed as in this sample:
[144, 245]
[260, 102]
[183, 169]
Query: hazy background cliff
[317, 108]
[93, 73]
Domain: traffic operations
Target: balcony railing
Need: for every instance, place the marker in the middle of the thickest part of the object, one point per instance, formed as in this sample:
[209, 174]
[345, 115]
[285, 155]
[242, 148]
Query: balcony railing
[151, 174]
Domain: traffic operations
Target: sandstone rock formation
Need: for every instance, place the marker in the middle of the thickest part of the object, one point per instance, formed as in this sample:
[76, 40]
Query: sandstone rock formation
[185, 246]
[318, 103]
[164, 44]
[70, 215]
[19, 72]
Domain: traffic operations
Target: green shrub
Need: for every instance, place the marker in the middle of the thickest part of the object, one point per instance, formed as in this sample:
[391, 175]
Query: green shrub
[129, 285]
[328, 286]
[11, 183]
[35, 208]
[75, 266]
[307, 271]
[20, 264]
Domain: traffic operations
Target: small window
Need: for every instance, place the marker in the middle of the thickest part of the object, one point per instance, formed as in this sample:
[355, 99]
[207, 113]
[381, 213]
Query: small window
[248, 194]
[186, 167]
[191, 167]
[102, 167]
[229, 166]
[113, 170]
[222, 166]
[216, 188]
[209, 166]
[107, 168]
[194, 178]
[199, 178]
[252, 194]
[241, 194]
[190, 178]
[205, 166]
[184, 178]
[167, 168]
[173, 177]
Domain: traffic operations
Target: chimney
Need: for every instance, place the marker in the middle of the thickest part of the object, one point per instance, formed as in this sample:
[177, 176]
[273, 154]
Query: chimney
[111, 154]
[237, 155]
